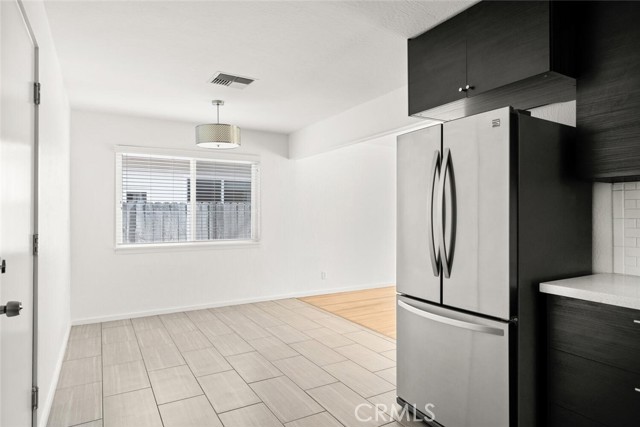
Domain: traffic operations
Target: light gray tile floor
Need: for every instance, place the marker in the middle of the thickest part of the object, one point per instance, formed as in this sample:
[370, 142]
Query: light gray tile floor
[192, 412]
[272, 363]
[253, 367]
[365, 357]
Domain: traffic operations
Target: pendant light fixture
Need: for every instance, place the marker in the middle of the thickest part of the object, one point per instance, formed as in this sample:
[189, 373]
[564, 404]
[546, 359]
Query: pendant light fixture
[218, 135]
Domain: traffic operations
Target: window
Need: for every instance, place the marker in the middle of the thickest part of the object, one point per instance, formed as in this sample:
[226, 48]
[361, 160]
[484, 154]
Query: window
[156, 202]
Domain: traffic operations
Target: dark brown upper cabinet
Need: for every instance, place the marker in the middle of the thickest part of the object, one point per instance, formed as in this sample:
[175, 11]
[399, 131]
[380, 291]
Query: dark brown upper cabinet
[494, 54]
[608, 92]
[445, 49]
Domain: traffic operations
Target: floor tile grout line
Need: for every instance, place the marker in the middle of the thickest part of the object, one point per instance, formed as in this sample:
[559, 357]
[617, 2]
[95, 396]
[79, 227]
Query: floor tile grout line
[229, 325]
[68, 346]
[248, 406]
[346, 385]
[183, 399]
[318, 366]
[257, 352]
[311, 397]
[58, 387]
[194, 376]
[241, 407]
[128, 391]
[326, 385]
[144, 363]
[318, 413]
[115, 326]
[85, 422]
[102, 377]
[205, 335]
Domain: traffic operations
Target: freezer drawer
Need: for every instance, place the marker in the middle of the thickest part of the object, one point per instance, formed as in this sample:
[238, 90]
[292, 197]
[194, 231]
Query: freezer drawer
[456, 362]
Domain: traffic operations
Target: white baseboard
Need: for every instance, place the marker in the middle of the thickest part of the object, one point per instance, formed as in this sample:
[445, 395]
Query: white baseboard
[98, 319]
[45, 407]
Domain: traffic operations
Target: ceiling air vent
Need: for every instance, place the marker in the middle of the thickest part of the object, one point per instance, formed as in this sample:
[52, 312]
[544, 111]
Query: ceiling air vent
[229, 80]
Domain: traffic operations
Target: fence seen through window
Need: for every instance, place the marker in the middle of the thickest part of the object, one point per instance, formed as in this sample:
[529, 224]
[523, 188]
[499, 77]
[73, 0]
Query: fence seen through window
[159, 204]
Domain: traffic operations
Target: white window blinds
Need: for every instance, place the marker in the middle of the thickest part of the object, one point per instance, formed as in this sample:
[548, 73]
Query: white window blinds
[223, 201]
[164, 199]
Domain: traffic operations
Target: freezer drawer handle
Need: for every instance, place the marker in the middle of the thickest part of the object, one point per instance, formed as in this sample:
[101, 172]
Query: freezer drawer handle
[452, 322]
[433, 251]
[447, 255]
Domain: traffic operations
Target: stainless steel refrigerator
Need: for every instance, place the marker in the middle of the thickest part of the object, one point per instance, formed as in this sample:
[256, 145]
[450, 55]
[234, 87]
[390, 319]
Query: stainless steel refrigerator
[488, 207]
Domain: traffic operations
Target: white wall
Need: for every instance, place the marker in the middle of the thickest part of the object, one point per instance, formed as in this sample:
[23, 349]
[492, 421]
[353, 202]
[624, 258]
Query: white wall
[312, 218]
[54, 257]
[345, 209]
[383, 116]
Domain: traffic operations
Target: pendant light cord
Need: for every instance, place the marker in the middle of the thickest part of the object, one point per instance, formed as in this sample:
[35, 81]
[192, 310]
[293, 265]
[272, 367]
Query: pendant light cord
[218, 108]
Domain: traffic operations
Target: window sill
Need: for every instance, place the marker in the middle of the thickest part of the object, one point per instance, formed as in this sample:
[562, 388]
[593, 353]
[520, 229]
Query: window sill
[186, 246]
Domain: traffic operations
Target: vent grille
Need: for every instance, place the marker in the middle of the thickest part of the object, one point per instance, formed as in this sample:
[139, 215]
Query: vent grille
[230, 80]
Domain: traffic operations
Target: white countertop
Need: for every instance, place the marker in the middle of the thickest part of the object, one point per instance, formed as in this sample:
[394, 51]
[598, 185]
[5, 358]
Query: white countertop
[614, 289]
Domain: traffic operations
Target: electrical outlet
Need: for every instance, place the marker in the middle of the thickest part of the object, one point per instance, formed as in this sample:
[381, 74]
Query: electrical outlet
[323, 275]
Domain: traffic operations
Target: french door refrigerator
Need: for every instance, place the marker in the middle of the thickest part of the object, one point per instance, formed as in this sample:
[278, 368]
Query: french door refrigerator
[488, 207]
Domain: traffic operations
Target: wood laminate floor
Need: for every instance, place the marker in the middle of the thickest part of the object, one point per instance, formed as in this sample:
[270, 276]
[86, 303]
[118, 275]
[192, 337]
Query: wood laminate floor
[372, 308]
[269, 364]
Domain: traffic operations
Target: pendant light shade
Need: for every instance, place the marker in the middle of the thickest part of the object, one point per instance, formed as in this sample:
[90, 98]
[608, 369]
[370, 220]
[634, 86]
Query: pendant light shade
[218, 135]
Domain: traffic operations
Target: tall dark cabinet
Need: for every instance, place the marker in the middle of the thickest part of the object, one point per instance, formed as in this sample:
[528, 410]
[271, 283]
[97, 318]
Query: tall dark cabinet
[608, 90]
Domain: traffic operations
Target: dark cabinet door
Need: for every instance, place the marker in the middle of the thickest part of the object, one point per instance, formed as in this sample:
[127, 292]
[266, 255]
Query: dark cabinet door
[609, 90]
[506, 42]
[600, 332]
[437, 65]
[597, 391]
[561, 417]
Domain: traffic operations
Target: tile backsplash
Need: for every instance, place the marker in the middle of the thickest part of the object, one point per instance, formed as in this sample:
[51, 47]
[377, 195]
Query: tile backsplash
[626, 228]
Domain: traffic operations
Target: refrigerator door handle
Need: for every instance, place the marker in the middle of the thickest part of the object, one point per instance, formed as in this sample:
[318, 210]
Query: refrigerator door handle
[433, 250]
[451, 322]
[446, 256]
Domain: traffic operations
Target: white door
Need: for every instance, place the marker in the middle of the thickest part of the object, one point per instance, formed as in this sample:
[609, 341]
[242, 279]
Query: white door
[16, 214]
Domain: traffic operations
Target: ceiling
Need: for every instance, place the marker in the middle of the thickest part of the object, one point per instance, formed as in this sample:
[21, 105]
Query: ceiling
[311, 59]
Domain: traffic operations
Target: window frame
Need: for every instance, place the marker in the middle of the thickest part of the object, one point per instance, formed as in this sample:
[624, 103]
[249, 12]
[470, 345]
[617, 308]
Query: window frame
[192, 156]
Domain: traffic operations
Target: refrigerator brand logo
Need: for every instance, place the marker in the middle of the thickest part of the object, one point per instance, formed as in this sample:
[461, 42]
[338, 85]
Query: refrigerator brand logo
[495, 123]
[367, 412]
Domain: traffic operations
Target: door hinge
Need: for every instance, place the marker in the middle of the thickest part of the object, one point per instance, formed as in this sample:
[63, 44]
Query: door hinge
[35, 397]
[36, 93]
[36, 243]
